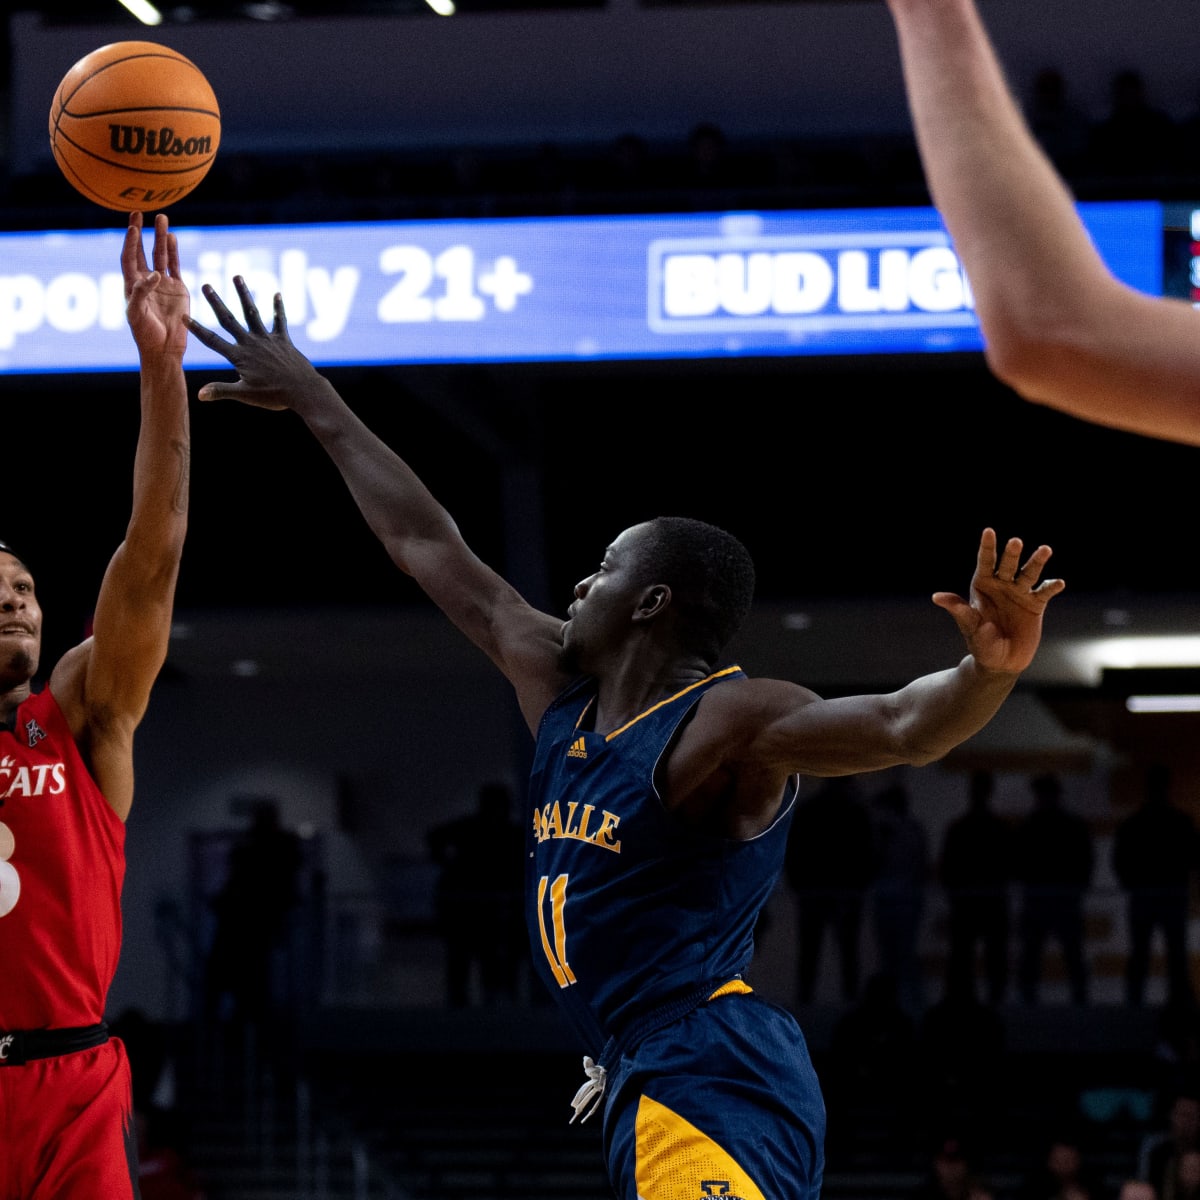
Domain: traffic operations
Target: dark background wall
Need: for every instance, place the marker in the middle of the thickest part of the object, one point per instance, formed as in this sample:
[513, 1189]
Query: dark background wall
[756, 69]
[858, 480]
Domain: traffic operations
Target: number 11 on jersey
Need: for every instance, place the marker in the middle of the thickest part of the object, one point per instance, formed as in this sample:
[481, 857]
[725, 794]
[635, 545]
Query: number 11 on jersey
[556, 954]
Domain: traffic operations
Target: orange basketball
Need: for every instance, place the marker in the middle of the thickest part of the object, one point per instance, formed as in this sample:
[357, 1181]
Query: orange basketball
[134, 126]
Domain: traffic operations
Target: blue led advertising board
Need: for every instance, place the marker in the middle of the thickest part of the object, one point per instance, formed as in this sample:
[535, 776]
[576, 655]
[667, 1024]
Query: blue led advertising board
[573, 289]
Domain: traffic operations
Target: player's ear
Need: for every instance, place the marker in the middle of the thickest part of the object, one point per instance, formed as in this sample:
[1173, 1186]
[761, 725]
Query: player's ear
[653, 601]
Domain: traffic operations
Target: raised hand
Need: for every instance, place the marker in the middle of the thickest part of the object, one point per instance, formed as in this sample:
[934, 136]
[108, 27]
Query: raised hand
[272, 373]
[156, 301]
[1002, 620]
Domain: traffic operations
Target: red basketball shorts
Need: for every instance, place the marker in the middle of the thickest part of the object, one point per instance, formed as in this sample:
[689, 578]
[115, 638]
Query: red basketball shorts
[67, 1128]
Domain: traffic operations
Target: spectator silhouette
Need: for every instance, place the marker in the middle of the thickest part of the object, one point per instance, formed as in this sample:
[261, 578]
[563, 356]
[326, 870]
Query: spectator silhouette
[1062, 130]
[708, 156]
[872, 1058]
[829, 866]
[1134, 139]
[1136, 1189]
[478, 897]
[961, 1044]
[1063, 1172]
[253, 920]
[164, 1172]
[1176, 1052]
[627, 165]
[1155, 852]
[1184, 1182]
[952, 1175]
[1160, 1152]
[1054, 863]
[975, 870]
[901, 875]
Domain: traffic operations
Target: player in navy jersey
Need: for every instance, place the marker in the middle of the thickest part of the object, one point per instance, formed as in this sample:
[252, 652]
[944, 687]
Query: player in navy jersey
[662, 789]
[67, 1126]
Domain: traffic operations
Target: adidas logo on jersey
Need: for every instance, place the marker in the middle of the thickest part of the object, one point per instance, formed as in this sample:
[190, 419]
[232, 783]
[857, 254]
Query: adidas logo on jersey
[578, 749]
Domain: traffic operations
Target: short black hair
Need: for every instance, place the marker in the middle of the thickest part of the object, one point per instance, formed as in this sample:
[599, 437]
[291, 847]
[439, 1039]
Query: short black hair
[710, 574]
[5, 548]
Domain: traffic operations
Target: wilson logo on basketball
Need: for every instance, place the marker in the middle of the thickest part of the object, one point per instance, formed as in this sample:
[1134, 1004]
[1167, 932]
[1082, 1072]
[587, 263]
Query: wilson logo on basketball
[137, 139]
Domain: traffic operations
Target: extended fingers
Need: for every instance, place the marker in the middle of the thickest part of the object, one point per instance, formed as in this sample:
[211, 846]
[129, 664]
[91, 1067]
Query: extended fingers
[1049, 589]
[1009, 565]
[166, 248]
[207, 337]
[133, 253]
[985, 561]
[254, 322]
[162, 240]
[225, 318]
[1032, 570]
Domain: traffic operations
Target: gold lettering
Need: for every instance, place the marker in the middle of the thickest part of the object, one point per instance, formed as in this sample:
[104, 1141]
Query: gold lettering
[588, 809]
[567, 830]
[548, 823]
[604, 835]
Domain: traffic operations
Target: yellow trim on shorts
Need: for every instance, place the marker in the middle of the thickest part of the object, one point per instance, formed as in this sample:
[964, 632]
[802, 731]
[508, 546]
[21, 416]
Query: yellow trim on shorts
[735, 987]
[676, 1161]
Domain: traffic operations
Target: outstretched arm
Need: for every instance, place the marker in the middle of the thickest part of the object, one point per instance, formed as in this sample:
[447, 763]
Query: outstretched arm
[1001, 623]
[1058, 327]
[732, 759]
[104, 684]
[418, 533]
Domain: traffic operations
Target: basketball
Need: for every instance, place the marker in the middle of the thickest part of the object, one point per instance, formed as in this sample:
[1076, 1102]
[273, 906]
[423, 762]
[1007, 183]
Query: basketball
[134, 126]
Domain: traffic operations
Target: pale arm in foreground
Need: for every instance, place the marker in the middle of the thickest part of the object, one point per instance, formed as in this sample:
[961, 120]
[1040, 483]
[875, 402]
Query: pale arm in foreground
[1059, 328]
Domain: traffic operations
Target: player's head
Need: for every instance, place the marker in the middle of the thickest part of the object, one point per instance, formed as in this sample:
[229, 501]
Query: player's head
[671, 574]
[20, 620]
[710, 574]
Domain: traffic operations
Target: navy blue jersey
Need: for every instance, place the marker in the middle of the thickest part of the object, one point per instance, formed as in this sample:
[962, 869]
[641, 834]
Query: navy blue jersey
[628, 907]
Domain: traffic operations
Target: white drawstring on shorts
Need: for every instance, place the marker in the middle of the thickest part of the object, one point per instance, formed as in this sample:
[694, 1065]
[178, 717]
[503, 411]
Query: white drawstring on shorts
[587, 1099]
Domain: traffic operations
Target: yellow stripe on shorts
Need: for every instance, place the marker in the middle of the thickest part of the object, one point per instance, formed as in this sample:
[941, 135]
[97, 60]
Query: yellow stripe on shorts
[675, 1161]
[735, 987]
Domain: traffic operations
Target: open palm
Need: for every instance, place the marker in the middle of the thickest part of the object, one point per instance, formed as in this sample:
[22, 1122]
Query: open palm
[156, 300]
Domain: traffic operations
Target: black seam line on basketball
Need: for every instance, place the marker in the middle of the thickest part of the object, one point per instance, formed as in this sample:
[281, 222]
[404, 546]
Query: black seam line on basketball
[134, 58]
[164, 108]
[87, 189]
[137, 167]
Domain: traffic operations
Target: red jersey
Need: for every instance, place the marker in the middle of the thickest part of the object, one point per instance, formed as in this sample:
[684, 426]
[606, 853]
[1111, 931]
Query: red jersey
[62, 865]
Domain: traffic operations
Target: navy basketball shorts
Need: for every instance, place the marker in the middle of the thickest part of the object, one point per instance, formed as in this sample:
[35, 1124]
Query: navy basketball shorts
[723, 1102]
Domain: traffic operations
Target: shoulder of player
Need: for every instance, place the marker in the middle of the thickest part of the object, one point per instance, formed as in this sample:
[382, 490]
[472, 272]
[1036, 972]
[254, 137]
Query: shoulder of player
[528, 648]
[69, 684]
[70, 673]
[748, 707]
[755, 698]
[728, 743]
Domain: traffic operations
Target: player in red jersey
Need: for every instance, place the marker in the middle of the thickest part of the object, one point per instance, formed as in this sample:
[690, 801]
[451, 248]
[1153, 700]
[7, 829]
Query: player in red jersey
[66, 786]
